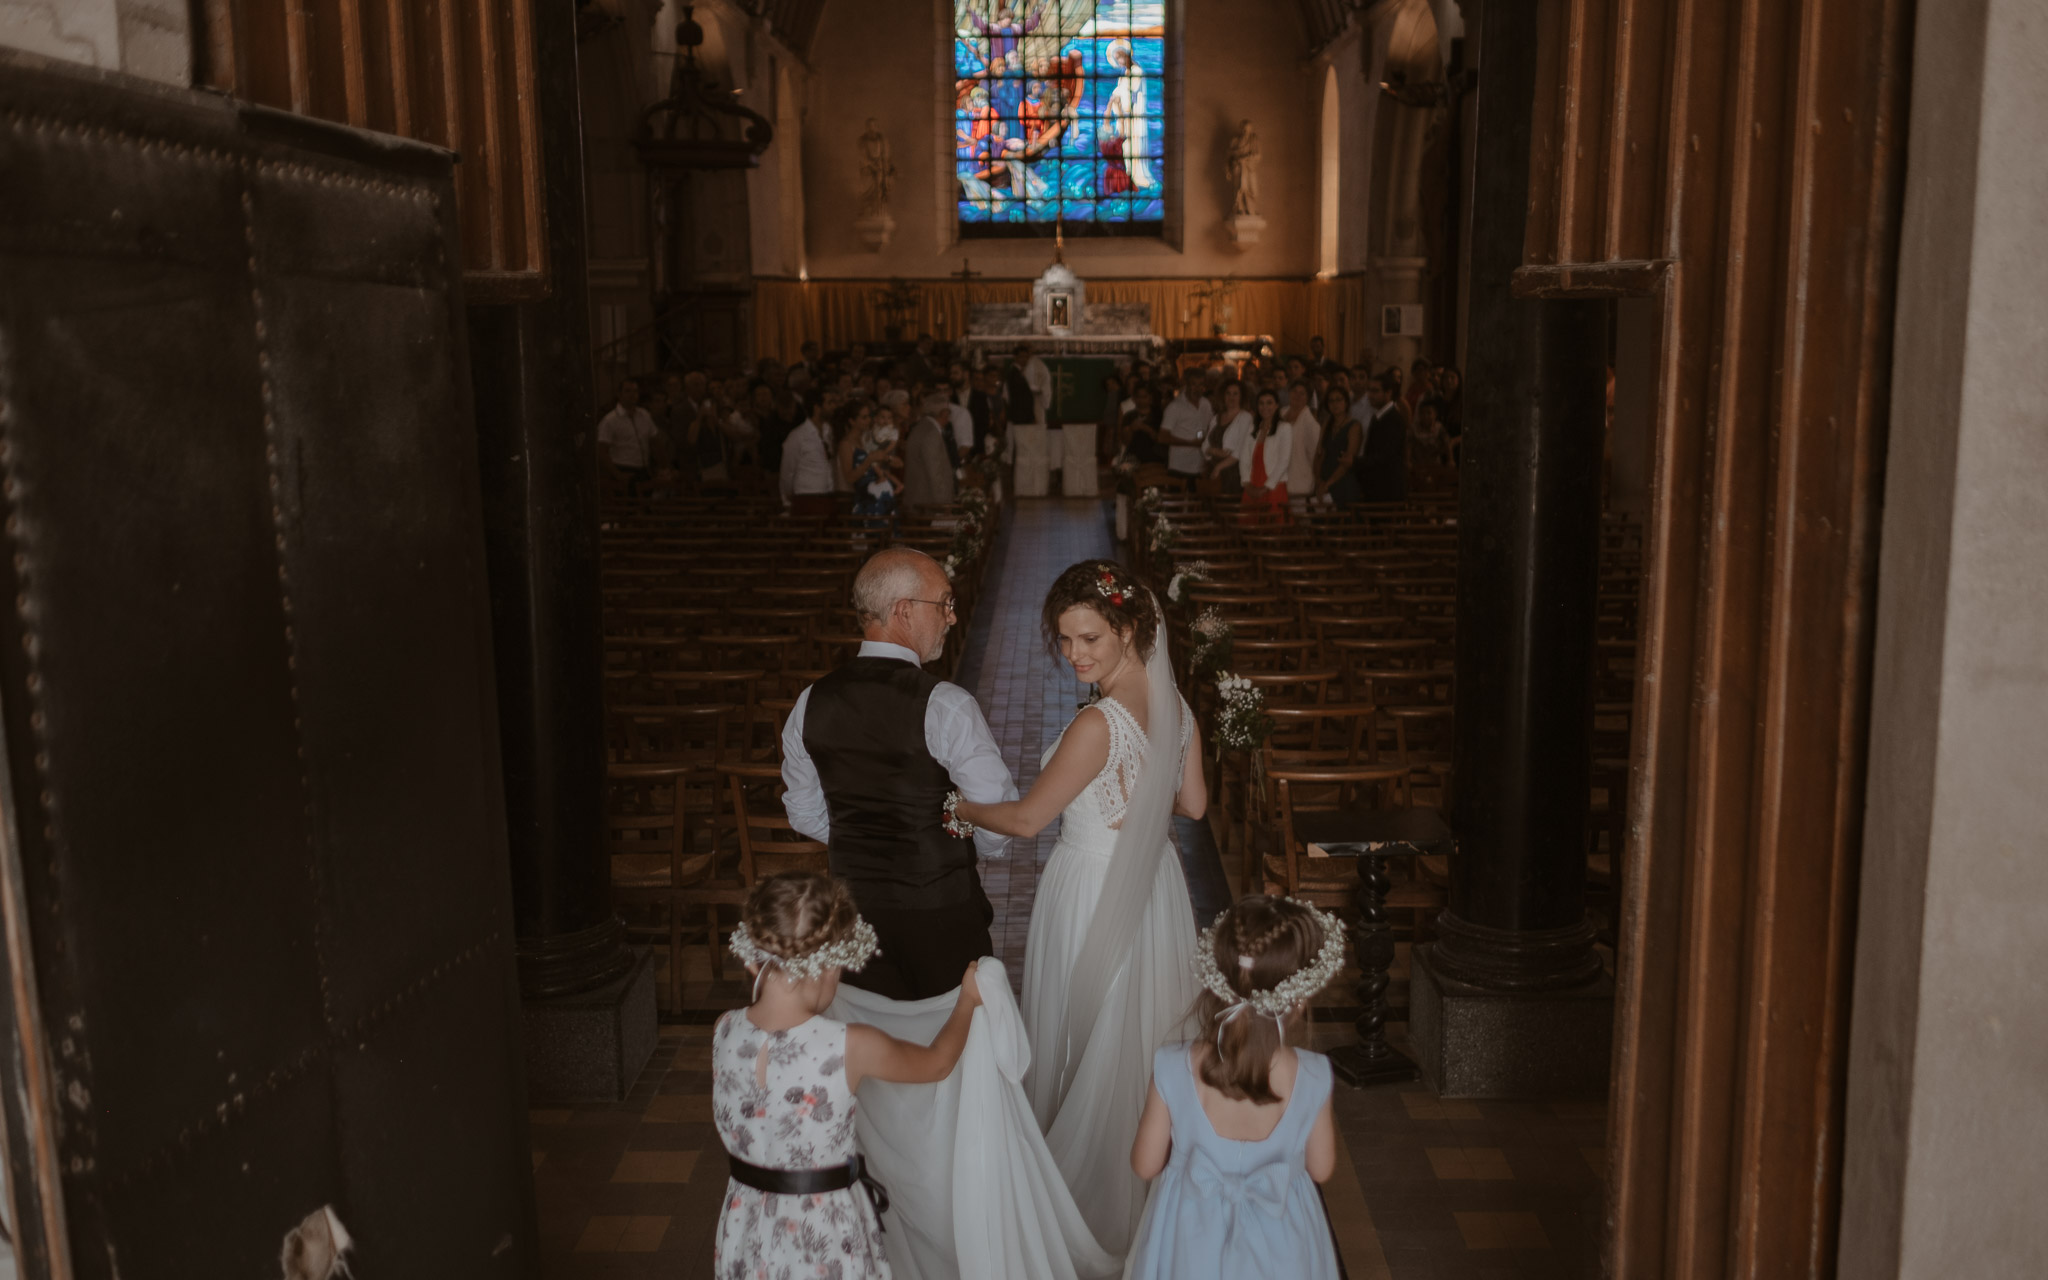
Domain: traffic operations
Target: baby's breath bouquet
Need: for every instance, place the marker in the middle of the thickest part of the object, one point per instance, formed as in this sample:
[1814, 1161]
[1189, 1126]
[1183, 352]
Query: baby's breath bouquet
[1212, 642]
[1241, 720]
[1148, 501]
[1164, 535]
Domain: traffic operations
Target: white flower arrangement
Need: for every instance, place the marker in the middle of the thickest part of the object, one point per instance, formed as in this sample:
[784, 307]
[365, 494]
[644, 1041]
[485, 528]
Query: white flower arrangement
[851, 952]
[1148, 501]
[951, 564]
[1241, 720]
[1192, 571]
[1213, 636]
[1164, 535]
[1294, 991]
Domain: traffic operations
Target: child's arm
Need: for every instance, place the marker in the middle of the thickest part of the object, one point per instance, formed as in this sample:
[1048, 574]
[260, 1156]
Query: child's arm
[1155, 1137]
[870, 1051]
[1321, 1156]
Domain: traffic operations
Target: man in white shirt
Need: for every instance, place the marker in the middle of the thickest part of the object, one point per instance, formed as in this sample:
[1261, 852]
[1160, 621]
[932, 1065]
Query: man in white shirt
[869, 754]
[1038, 376]
[626, 436]
[1184, 427]
[807, 480]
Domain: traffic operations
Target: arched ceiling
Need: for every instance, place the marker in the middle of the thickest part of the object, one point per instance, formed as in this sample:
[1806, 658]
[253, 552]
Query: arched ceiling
[796, 21]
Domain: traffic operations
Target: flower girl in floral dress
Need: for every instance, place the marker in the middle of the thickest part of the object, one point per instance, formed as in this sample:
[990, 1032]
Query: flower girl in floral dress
[799, 1202]
[1238, 1128]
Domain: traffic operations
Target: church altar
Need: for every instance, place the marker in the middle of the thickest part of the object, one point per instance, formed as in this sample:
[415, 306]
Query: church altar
[1079, 341]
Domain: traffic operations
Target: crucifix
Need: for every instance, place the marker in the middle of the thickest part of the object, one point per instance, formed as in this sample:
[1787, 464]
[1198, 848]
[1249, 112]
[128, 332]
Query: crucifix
[966, 274]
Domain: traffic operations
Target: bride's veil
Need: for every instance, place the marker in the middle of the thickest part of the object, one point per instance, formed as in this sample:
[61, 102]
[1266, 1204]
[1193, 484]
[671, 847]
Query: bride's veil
[1134, 863]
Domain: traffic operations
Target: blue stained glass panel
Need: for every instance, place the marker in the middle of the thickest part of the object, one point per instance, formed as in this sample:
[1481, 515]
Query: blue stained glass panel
[1059, 114]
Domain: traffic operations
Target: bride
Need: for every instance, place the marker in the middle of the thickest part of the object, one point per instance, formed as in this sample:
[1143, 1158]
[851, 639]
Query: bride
[1108, 968]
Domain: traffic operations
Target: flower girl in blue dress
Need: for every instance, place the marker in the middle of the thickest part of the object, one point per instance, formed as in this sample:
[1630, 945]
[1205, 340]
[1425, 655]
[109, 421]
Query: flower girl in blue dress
[1238, 1127]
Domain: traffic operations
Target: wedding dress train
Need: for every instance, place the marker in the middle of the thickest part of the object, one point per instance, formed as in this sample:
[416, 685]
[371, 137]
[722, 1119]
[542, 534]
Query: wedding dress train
[973, 1190]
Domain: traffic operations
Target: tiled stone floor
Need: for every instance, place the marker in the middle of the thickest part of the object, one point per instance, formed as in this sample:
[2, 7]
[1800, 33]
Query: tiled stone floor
[1425, 1189]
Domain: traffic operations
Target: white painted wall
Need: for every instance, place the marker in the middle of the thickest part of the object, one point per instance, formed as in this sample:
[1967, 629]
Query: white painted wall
[1946, 1134]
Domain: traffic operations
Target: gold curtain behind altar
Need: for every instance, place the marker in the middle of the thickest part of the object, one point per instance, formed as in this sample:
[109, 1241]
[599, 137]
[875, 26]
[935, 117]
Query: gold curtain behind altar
[836, 312]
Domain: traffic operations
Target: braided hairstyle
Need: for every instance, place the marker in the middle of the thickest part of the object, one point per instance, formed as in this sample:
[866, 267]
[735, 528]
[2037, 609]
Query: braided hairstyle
[1128, 608]
[1278, 937]
[795, 913]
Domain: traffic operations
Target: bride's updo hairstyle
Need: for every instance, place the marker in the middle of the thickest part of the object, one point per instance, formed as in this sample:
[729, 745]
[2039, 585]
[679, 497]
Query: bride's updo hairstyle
[1260, 943]
[1112, 591]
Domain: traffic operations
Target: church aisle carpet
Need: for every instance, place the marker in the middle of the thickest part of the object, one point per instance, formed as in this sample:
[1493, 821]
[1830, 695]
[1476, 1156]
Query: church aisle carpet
[1425, 1189]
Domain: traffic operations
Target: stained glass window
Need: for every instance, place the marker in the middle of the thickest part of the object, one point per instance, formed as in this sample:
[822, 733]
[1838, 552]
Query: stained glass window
[1060, 115]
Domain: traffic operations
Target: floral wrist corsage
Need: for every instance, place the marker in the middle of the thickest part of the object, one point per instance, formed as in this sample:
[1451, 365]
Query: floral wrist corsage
[955, 824]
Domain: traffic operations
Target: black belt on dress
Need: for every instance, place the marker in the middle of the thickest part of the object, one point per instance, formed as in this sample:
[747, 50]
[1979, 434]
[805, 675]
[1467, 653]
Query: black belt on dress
[812, 1182]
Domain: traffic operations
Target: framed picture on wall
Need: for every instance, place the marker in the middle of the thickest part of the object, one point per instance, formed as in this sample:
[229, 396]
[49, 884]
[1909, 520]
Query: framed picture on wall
[1059, 311]
[1400, 321]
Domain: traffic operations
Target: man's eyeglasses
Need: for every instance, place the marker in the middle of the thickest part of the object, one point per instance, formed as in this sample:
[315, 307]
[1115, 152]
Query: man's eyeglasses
[946, 604]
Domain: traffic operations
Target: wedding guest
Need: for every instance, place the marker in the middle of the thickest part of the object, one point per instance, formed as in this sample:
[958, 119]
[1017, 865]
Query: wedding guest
[928, 479]
[1319, 357]
[806, 475]
[1183, 428]
[1382, 468]
[869, 460]
[626, 437]
[1342, 437]
[1239, 1126]
[985, 405]
[1428, 447]
[1142, 444]
[1421, 382]
[1263, 468]
[1233, 437]
[785, 1081]
[1308, 434]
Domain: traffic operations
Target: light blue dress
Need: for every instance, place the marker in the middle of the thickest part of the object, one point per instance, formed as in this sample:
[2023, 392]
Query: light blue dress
[1229, 1210]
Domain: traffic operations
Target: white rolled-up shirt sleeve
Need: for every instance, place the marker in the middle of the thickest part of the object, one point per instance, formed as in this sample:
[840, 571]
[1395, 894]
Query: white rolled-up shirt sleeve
[957, 735]
[804, 801]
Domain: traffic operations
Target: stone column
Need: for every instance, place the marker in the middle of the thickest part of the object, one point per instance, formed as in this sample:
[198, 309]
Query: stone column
[1511, 1001]
[590, 1001]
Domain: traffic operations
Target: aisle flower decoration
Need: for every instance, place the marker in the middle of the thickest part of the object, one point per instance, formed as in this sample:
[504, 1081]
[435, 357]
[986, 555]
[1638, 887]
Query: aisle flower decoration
[1149, 501]
[1184, 575]
[1164, 535]
[973, 503]
[951, 564]
[1212, 642]
[1241, 720]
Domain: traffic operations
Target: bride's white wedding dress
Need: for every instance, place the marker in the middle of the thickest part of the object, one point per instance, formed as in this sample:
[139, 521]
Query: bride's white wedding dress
[1091, 1125]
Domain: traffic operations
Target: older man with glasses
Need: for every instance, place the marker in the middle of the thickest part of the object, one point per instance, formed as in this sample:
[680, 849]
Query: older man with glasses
[869, 755]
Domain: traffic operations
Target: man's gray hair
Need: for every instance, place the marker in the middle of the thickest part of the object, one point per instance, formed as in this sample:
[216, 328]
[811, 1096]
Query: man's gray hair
[896, 398]
[887, 577]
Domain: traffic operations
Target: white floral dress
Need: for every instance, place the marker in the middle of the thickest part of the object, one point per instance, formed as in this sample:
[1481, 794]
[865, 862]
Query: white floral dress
[801, 1118]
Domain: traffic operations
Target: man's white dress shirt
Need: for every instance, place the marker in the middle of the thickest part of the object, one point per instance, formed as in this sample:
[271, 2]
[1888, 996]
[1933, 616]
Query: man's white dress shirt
[805, 469]
[954, 732]
[629, 435]
[1185, 426]
[963, 426]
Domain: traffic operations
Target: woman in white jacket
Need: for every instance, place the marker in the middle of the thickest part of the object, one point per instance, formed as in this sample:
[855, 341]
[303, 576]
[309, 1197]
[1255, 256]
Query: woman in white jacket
[1265, 463]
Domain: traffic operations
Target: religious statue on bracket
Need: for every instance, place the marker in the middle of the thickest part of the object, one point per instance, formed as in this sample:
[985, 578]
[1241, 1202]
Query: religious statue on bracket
[1244, 223]
[877, 172]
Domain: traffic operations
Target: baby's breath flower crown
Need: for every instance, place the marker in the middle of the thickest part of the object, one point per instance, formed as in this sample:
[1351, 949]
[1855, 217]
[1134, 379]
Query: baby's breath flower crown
[851, 952]
[1294, 991]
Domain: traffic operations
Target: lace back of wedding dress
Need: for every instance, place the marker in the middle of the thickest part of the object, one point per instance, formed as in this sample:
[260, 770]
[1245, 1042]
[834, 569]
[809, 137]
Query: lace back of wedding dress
[1143, 836]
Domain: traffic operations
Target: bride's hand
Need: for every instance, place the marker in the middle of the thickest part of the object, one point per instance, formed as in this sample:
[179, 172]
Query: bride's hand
[970, 986]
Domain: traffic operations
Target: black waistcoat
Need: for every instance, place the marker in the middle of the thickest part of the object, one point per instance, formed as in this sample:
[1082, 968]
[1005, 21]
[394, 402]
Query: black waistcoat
[864, 729]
